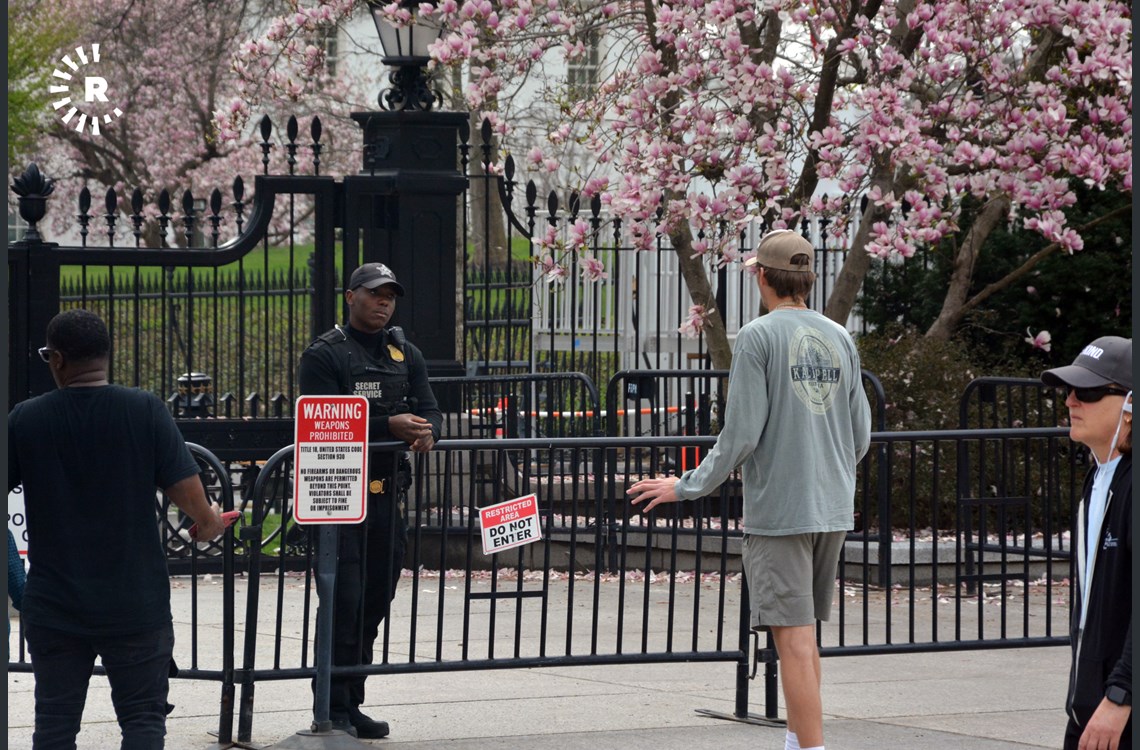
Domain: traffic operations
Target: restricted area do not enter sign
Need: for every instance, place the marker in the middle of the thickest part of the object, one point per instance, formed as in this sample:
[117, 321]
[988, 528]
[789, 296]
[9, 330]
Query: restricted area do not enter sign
[330, 479]
[510, 524]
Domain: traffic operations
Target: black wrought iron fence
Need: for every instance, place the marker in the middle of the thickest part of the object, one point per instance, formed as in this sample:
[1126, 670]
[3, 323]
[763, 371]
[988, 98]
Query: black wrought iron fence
[244, 330]
[499, 319]
[166, 281]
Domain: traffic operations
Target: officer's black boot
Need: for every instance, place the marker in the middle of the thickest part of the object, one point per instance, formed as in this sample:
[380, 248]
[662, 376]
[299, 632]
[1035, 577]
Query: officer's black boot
[366, 727]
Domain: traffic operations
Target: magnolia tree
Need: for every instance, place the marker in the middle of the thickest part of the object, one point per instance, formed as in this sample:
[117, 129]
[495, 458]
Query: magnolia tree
[168, 69]
[952, 118]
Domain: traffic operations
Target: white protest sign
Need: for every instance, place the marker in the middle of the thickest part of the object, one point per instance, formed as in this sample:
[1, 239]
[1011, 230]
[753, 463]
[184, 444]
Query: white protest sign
[510, 524]
[330, 459]
[18, 520]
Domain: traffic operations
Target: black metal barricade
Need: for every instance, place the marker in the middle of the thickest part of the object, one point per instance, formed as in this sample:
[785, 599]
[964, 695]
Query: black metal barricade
[499, 600]
[992, 403]
[990, 482]
[930, 577]
[608, 584]
[691, 403]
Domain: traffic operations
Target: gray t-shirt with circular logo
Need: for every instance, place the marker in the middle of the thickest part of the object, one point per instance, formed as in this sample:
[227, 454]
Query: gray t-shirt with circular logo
[797, 423]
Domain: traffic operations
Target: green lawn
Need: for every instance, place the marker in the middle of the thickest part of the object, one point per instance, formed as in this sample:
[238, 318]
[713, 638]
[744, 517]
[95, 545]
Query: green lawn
[269, 524]
[276, 259]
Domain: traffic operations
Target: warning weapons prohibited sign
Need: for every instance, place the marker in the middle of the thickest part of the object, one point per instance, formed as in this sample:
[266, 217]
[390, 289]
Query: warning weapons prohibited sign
[330, 459]
[510, 524]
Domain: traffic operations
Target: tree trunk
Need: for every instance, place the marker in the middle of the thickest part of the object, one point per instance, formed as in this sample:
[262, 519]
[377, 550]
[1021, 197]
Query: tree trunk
[681, 237]
[700, 292]
[488, 235]
[953, 304]
[488, 230]
[855, 266]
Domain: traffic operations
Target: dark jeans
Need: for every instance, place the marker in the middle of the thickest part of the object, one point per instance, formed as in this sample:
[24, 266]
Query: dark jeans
[138, 668]
[370, 557]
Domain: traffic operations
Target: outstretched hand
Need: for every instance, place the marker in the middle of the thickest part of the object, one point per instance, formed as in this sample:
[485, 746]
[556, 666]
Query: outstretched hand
[656, 491]
[208, 525]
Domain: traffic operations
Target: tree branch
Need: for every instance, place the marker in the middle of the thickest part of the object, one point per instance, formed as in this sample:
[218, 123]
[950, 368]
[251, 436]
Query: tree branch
[965, 259]
[1006, 281]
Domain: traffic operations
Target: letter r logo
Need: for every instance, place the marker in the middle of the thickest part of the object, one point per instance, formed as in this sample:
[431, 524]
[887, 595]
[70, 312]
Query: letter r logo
[94, 88]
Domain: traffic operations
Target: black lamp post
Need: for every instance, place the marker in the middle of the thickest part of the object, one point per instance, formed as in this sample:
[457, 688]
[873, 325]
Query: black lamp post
[401, 209]
[406, 50]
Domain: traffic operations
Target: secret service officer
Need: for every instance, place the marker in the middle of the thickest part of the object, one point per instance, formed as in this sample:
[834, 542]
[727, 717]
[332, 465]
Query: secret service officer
[368, 358]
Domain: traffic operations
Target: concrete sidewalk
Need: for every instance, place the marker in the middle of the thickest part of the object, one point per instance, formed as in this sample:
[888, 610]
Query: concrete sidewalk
[984, 700]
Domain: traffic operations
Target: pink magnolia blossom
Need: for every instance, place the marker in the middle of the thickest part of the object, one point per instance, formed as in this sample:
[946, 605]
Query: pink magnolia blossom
[694, 323]
[578, 237]
[1043, 340]
[593, 269]
[551, 270]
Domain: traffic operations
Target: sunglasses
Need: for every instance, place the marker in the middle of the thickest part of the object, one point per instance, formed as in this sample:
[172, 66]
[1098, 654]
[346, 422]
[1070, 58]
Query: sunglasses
[1092, 395]
[45, 353]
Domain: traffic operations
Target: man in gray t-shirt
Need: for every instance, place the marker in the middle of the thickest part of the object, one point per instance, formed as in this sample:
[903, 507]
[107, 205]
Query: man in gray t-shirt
[797, 423]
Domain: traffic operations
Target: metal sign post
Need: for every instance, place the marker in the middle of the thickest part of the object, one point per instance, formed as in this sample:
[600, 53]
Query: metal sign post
[330, 478]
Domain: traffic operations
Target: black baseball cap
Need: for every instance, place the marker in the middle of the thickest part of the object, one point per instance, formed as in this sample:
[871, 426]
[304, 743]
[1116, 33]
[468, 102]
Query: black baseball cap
[1106, 361]
[373, 275]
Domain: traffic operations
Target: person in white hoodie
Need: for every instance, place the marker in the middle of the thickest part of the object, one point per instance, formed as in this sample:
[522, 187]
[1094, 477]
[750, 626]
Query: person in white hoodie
[1098, 393]
[798, 422]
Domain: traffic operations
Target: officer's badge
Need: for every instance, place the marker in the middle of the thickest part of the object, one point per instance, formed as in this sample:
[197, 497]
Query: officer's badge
[395, 353]
[376, 486]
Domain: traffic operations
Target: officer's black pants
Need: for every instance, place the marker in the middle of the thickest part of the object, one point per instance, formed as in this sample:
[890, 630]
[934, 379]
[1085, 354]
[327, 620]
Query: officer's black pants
[370, 557]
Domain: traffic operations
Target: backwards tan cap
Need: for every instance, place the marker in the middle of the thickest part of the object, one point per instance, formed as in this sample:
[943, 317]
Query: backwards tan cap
[779, 249]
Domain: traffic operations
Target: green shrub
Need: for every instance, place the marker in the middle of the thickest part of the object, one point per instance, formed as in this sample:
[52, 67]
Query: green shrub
[1011, 487]
[923, 379]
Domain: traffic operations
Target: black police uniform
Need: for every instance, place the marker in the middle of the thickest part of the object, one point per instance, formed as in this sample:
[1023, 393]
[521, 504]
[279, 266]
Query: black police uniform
[391, 373]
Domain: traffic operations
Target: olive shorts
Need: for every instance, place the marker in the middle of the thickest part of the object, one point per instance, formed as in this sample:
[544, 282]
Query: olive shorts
[791, 579]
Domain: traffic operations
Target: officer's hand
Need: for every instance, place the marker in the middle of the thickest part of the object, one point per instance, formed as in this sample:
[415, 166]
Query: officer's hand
[410, 428]
[424, 444]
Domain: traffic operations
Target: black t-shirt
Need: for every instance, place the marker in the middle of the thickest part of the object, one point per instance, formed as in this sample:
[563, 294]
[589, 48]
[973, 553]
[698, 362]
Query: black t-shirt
[90, 460]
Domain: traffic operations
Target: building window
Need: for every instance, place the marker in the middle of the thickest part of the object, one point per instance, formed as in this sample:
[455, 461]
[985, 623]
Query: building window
[582, 72]
[326, 39]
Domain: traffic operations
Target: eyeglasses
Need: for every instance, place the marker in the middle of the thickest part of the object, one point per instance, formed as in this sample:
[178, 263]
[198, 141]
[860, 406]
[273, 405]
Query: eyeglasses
[1092, 395]
[45, 353]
